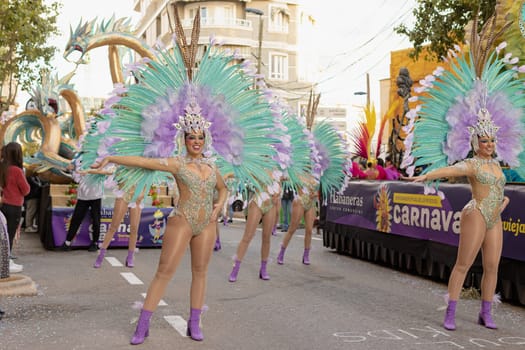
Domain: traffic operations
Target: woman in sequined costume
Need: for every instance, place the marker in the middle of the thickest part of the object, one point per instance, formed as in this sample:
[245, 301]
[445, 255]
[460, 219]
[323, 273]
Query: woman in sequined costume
[303, 206]
[480, 224]
[263, 205]
[192, 222]
[120, 208]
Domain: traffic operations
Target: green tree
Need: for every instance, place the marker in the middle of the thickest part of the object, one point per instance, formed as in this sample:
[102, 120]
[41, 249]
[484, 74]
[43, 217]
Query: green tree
[25, 26]
[440, 24]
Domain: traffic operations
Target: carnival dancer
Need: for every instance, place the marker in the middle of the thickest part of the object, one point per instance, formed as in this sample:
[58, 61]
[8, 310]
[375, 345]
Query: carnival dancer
[262, 206]
[196, 125]
[303, 206]
[121, 206]
[327, 161]
[477, 109]
[191, 224]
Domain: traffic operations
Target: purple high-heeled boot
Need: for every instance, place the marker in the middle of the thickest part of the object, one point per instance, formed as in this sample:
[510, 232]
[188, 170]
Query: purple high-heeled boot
[280, 257]
[217, 244]
[306, 256]
[450, 316]
[235, 271]
[142, 330]
[100, 258]
[129, 258]
[262, 272]
[484, 318]
[194, 328]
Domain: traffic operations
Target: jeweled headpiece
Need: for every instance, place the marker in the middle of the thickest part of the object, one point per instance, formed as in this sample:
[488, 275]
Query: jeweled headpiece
[484, 127]
[192, 122]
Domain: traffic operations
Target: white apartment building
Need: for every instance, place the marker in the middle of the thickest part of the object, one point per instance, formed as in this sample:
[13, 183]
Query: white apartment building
[276, 35]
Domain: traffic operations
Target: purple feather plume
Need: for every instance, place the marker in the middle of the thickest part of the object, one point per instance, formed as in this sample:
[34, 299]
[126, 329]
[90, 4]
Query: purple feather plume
[159, 131]
[464, 114]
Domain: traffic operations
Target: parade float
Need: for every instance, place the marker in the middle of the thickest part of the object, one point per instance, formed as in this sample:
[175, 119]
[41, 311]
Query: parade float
[50, 137]
[402, 225]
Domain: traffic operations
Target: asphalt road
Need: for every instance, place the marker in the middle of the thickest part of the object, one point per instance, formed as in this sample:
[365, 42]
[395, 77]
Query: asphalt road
[335, 303]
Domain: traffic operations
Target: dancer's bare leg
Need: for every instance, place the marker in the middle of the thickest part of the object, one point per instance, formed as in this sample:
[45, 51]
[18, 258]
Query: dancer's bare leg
[277, 209]
[134, 222]
[309, 219]
[268, 224]
[472, 234]
[297, 214]
[201, 247]
[119, 210]
[491, 254]
[254, 217]
[174, 243]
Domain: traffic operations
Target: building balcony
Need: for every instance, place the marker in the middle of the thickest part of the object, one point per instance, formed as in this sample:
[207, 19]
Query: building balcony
[220, 22]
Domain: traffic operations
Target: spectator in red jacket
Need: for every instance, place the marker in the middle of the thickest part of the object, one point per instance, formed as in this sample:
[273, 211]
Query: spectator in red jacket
[14, 188]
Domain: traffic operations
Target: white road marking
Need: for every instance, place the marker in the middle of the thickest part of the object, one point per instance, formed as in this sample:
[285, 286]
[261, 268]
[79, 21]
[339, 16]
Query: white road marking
[178, 323]
[131, 278]
[113, 261]
[161, 302]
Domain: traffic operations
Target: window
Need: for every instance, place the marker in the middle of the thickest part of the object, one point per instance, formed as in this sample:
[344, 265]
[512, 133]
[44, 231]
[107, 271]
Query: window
[204, 13]
[278, 66]
[279, 19]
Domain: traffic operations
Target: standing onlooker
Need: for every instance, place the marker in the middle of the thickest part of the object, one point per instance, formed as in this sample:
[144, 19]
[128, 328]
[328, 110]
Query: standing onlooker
[14, 188]
[32, 203]
[286, 206]
[89, 198]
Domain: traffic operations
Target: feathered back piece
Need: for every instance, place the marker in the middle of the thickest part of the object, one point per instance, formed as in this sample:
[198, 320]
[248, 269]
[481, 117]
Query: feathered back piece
[300, 163]
[240, 119]
[333, 157]
[459, 106]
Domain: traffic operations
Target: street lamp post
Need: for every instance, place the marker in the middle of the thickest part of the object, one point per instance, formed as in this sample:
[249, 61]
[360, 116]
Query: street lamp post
[259, 13]
[367, 93]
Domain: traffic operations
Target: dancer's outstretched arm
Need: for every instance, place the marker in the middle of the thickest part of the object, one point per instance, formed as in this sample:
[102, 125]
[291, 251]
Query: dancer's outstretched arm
[162, 164]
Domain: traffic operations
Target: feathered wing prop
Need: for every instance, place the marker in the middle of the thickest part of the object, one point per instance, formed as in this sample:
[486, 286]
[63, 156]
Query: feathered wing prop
[361, 137]
[440, 134]
[333, 157]
[242, 125]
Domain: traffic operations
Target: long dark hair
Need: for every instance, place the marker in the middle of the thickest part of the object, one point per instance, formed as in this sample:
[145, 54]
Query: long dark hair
[11, 155]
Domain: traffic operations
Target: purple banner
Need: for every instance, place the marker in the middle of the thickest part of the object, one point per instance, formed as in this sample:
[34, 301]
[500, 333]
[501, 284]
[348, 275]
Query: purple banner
[151, 228]
[402, 208]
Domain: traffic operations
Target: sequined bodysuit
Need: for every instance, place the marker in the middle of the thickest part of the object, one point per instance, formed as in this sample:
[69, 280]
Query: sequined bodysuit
[265, 200]
[307, 194]
[196, 195]
[487, 194]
